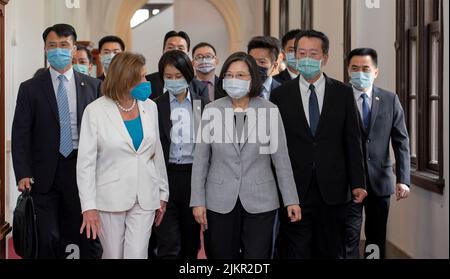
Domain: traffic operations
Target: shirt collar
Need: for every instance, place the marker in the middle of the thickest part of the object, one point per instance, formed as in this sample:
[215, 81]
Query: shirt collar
[55, 74]
[358, 93]
[173, 98]
[268, 84]
[316, 84]
[292, 74]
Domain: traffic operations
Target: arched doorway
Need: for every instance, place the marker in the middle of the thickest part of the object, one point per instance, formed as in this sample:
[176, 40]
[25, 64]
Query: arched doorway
[228, 10]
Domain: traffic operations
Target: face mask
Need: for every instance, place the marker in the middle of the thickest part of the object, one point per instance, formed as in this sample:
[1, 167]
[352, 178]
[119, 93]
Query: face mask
[59, 58]
[84, 69]
[309, 68]
[236, 88]
[142, 91]
[291, 60]
[206, 66]
[176, 86]
[361, 80]
[106, 61]
[263, 73]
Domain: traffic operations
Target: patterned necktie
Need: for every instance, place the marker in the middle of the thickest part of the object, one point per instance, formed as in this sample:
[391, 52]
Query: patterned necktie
[65, 139]
[314, 112]
[366, 111]
[210, 91]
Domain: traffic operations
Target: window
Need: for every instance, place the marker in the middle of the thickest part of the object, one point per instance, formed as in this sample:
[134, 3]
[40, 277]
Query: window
[420, 86]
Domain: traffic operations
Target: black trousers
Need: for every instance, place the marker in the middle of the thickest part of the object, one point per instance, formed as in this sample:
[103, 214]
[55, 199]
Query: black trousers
[239, 234]
[59, 218]
[178, 235]
[377, 211]
[319, 234]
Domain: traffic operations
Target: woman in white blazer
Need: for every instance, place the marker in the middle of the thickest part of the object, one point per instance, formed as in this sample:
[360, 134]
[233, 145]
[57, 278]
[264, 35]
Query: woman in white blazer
[121, 173]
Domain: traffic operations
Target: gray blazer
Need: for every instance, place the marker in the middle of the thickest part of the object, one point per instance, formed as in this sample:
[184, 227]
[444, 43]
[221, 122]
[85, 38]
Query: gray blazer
[225, 170]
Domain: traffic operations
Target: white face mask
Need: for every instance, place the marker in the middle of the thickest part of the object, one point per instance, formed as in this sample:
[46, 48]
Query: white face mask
[206, 66]
[236, 88]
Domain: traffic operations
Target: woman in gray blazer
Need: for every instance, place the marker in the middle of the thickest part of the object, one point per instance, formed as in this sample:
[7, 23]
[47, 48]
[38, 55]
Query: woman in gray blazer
[241, 144]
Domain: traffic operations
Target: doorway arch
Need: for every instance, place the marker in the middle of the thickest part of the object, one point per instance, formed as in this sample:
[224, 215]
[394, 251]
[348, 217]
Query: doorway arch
[228, 10]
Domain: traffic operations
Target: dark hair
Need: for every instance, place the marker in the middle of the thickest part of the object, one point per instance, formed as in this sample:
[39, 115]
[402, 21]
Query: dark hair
[111, 39]
[256, 84]
[39, 72]
[203, 44]
[181, 34]
[363, 52]
[179, 60]
[314, 34]
[290, 36]
[88, 52]
[62, 30]
[267, 43]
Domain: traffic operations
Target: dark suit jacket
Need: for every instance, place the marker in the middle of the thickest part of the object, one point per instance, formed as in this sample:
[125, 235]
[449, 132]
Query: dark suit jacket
[283, 76]
[35, 129]
[102, 77]
[387, 123]
[334, 155]
[165, 124]
[158, 86]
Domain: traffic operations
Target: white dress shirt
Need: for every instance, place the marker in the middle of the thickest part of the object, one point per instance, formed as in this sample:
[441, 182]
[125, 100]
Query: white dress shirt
[305, 93]
[359, 99]
[72, 98]
[292, 74]
[267, 88]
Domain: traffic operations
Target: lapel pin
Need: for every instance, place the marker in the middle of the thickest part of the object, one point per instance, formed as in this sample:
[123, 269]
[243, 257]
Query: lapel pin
[377, 98]
[82, 83]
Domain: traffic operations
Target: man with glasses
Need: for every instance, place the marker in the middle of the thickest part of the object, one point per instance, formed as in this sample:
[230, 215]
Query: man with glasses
[205, 63]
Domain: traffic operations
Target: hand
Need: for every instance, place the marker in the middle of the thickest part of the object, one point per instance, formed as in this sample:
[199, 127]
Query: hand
[25, 184]
[91, 222]
[294, 213]
[359, 194]
[160, 213]
[401, 191]
[200, 215]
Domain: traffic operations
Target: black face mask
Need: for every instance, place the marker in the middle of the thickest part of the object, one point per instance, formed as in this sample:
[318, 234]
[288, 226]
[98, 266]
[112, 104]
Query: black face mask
[263, 73]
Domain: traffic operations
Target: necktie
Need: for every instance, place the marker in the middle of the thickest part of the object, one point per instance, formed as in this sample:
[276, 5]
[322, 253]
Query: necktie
[314, 113]
[210, 89]
[366, 111]
[65, 138]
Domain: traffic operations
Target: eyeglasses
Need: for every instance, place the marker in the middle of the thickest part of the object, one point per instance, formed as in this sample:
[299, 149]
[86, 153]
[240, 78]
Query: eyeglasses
[201, 58]
[242, 76]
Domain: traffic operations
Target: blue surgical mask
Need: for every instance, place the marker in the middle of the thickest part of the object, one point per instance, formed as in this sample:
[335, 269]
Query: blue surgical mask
[59, 58]
[291, 60]
[106, 61]
[84, 69]
[176, 86]
[361, 80]
[263, 73]
[206, 66]
[236, 88]
[142, 91]
[309, 68]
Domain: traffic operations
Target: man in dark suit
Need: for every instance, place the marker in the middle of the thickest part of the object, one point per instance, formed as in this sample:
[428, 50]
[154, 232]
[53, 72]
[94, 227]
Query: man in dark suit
[381, 121]
[291, 71]
[265, 51]
[205, 61]
[174, 40]
[324, 142]
[109, 46]
[45, 135]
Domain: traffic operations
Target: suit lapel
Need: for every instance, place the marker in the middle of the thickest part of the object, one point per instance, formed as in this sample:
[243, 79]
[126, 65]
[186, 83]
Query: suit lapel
[375, 106]
[251, 124]
[80, 85]
[300, 109]
[146, 126]
[228, 123]
[165, 114]
[116, 119]
[49, 91]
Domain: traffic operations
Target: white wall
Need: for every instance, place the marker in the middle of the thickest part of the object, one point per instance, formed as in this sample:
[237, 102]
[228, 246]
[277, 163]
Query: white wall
[419, 225]
[328, 18]
[148, 38]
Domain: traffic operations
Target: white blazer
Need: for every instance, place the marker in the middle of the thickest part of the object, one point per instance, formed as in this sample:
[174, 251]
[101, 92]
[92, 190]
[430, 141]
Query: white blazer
[111, 174]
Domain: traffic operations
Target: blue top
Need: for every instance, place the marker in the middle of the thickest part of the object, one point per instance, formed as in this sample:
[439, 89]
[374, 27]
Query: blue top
[135, 130]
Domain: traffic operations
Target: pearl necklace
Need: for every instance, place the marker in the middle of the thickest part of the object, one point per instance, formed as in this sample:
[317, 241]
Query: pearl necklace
[126, 109]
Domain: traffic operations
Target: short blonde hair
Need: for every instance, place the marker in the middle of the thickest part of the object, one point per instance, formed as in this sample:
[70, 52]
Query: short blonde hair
[123, 74]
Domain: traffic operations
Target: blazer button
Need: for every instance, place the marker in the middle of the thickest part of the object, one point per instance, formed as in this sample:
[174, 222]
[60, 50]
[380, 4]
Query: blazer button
[368, 159]
[368, 140]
